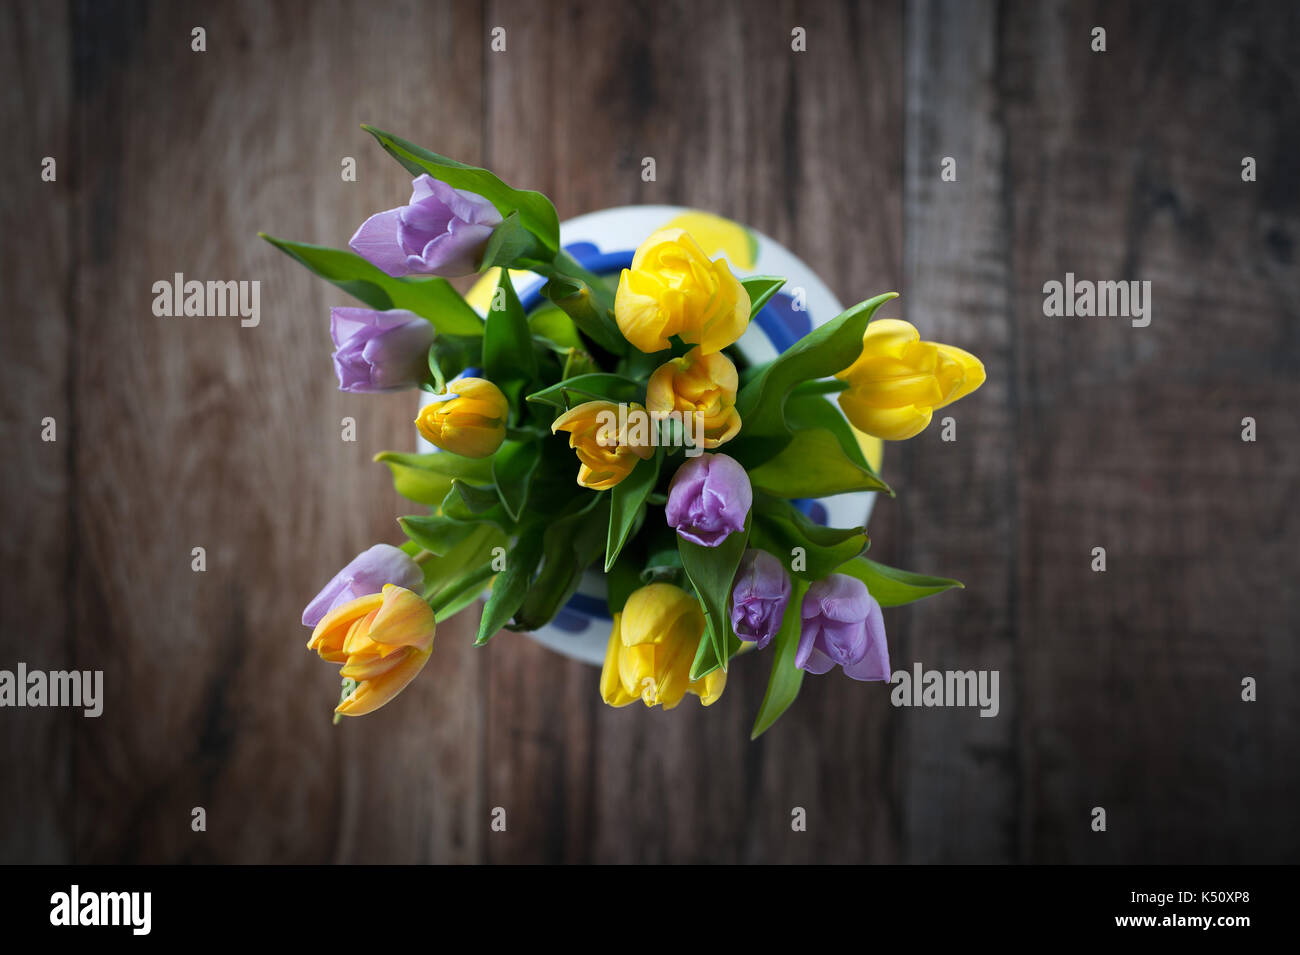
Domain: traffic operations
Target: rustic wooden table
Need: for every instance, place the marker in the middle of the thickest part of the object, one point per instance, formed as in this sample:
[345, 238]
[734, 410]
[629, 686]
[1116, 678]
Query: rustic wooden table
[1119, 689]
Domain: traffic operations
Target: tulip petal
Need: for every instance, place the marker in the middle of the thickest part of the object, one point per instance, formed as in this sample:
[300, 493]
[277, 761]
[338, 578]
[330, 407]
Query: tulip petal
[377, 241]
[370, 695]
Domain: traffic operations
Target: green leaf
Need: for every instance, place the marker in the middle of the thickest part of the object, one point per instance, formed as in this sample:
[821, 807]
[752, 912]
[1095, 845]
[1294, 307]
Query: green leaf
[512, 470]
[706, 657]
[449, 355]
[509, 242]
[434, 532]
[553, 324]
[508, 357]
[455, 579]
[627, 504]
[814, 464]
[578, 362]
[815, 411]
[779, 527]
[598, 386]
[620, 581]
[535, 210]
[712, 571]
[471, 503]
[893, 587]
[429, 297]
[761, 288]
[512, 584]
[819, 354]
[571, 543]
[786, 678]
[576, 298]
[462, 592]
[662, 565]
[426, 478]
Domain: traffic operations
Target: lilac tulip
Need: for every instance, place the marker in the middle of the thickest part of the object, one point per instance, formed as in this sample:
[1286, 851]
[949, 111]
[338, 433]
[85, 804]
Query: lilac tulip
[759, 597]
[366, 574]
[441, 231]
[376, 352]
[842, 624]
[709, 497]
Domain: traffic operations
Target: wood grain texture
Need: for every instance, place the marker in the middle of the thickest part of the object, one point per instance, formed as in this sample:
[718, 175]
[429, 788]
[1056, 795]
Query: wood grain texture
[37, 547]
[1119, 689]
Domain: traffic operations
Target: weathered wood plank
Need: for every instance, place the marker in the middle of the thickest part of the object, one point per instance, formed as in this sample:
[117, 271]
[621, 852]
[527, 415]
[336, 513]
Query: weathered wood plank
[37, 498]
[1126, 165]
[197, 432]
[958, 499]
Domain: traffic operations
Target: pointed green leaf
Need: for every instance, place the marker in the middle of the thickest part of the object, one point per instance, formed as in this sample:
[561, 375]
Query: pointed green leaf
[761, 288]
[477, 499]
[462, 592]
[572, 541]
[449, 355]
[508, 357]
[599, 386]
[435, 533]
[627, 504]
[816, 411]
[510, 241]
[512, 469]
[712, 571]
[426, 478]
[535, 211]
[819, 354]
[706, 658]
[893, 587]
[814, 464]
[786, 678]
[512, 583]
[455, 579]
[780, 527]
[551, 322]
[576, 298]
[621, 580]
[429, 297]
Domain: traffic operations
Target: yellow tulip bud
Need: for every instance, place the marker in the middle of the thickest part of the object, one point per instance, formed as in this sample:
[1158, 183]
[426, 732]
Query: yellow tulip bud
[604, 452]
[673, 289]
[699, 386]
[651, 647]
[383, 640]
[469, 419]
[899, 381]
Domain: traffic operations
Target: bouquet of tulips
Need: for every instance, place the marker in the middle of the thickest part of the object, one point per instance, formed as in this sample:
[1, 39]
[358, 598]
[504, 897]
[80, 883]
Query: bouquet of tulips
[690, 462]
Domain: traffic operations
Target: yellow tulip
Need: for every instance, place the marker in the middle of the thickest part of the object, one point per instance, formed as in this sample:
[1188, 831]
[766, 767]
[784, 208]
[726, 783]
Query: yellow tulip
[673, 289]
[651, 647]
[698, 386]
[383, 640]
[899, 381]
[606, 456]
[469, 419]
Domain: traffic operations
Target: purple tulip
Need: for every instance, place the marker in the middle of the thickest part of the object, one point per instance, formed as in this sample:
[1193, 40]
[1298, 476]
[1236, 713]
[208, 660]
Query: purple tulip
[441, 231]
[759, 597]
[376, 352]
[842, 623]
[366, 574]
[709, 497]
